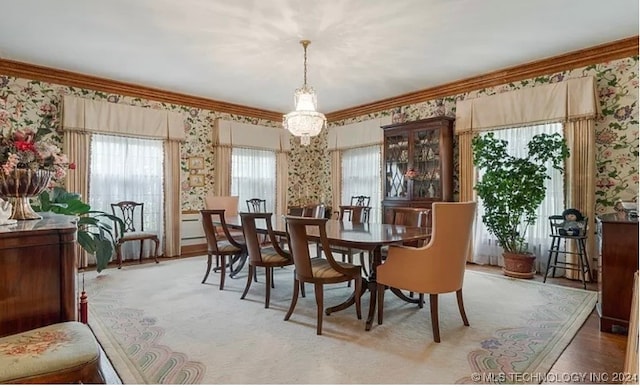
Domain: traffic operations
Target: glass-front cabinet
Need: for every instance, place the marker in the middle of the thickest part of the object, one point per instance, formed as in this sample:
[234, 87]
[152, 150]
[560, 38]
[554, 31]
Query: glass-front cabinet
[418, 163]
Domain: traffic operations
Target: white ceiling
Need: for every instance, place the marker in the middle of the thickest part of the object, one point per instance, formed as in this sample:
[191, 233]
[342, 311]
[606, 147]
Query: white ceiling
[247, 52]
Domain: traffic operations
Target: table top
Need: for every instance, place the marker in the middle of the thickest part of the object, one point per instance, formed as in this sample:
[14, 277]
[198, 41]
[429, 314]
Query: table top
[344, 232]
[48, 222]
[619, 217]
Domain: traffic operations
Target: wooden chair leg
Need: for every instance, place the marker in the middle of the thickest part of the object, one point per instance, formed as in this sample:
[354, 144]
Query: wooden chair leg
[302, 290]
[273, 284]
[319, 289]
[119, 255]
[433, 301]
[461, 307]
[268, 278]
[294, 299]
[381, 288]
[358, 291]
[141, 250]
[157, 241]
[421, 301]
[223, 271]
[249, 279]
[206, 275]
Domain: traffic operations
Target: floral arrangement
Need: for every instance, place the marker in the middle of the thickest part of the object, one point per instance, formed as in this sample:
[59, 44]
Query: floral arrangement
[29, 149]
[411, 173]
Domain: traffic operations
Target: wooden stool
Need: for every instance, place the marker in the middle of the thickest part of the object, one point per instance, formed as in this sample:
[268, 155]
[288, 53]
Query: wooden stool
[60, 353]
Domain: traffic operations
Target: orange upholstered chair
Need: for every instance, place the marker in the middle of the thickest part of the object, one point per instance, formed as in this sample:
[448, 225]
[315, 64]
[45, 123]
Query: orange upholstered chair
[435, 268]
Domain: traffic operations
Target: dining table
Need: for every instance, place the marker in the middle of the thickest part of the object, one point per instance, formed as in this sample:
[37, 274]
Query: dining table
[369, 236]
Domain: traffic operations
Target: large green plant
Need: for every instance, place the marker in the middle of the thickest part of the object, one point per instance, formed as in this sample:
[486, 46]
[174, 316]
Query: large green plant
[96, 234]
[513, 188]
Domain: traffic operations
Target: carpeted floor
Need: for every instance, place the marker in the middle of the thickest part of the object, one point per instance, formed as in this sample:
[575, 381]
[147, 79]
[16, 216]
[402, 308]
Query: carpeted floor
[159, 324]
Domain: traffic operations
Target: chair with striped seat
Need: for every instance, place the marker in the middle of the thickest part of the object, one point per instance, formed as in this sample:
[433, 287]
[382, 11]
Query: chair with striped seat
[319, 271]
[259, 256]
[220, 246]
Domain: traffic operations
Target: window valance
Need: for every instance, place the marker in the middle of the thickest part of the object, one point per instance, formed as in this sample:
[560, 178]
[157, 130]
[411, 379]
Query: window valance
[236, 134]
[81, 114]
[569, 100]
[360, 134]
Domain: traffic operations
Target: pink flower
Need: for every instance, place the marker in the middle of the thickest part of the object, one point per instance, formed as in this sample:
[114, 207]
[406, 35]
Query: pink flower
[411, 173]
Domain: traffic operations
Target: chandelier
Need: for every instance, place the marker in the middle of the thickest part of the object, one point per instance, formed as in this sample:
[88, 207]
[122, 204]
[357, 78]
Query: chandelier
[304, 121]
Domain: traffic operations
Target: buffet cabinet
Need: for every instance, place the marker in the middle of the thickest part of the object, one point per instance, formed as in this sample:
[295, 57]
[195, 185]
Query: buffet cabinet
[617, 264]
[418, 163]
[37, 274]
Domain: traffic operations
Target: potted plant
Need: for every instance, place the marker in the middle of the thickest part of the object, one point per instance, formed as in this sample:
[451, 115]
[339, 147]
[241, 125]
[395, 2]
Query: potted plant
[95, 236]
[512, 189]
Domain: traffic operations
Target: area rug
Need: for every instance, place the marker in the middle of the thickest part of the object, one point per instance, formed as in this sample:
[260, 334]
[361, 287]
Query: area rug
[158, 324]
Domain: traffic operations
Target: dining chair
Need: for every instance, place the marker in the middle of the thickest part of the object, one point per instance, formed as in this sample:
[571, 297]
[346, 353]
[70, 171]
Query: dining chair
[230, 204]
[132, 215]
[257, 205]
[411, 216]
[319, 271]
[220, 245]
[435, 268]
[360, 200]
[268, 258]
[355, 214]
[315, 211]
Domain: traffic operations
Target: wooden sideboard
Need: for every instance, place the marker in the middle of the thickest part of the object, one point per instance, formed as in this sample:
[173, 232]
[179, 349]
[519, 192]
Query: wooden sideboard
[37, 274]
[617, 264]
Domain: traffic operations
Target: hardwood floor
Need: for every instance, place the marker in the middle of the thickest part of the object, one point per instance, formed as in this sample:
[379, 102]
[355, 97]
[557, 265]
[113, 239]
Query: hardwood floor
[592, 356]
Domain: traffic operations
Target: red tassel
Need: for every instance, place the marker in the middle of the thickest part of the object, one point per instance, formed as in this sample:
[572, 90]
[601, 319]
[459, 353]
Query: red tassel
[83, 308]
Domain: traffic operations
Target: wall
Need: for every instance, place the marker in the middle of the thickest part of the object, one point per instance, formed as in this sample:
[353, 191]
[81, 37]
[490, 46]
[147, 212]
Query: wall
[32, 103]
[617, 130]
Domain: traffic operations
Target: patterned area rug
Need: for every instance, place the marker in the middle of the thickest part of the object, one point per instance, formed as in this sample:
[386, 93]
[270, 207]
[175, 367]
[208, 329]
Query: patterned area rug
[159, 324]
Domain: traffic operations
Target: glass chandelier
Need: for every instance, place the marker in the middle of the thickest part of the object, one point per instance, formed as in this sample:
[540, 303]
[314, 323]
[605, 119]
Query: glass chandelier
[304, 121]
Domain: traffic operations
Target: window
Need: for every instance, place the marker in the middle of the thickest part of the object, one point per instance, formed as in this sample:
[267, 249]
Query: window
[253, 175]
[486, 249]
[361, 175]
[128, 169]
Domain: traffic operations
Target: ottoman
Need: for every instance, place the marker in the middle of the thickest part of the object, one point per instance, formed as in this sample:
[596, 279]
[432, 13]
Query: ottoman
[60, 353]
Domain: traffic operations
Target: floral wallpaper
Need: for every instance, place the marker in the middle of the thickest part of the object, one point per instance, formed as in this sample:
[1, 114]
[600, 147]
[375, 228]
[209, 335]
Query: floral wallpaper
[32, 103]
[616, 131]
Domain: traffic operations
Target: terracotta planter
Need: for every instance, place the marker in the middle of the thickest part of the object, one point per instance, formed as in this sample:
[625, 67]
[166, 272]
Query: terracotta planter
[21, 184]
[519, 265]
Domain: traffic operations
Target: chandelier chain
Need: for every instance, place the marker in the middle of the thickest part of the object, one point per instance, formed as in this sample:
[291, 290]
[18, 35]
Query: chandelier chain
[305, 43]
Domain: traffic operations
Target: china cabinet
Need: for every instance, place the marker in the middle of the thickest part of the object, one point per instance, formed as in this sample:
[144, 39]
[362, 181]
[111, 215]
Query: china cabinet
[418, 163]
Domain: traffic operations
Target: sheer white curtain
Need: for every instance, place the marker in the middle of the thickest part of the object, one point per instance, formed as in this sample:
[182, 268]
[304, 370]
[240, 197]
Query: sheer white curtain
[128, 169]
[486, 248]
[253, 175]
[361, 175]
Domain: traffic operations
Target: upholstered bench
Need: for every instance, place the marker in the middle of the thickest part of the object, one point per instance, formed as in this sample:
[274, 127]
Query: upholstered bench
[60, 353]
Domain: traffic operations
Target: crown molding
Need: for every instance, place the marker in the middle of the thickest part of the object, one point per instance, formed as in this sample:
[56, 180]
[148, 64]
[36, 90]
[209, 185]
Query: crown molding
[598, 54]
[68, 78]
[606, 52]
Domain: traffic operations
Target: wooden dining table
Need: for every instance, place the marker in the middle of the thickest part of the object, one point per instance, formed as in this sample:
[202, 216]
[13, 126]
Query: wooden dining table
[367, 236]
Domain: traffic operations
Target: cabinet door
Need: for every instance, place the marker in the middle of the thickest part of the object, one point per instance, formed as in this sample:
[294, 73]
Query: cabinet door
[396, 163]
[426, 161]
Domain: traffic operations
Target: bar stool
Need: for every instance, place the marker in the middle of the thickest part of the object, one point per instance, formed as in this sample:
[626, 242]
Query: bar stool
[560, 235]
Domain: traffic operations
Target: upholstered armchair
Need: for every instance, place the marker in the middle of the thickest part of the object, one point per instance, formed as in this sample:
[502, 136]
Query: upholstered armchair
[435, 268]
